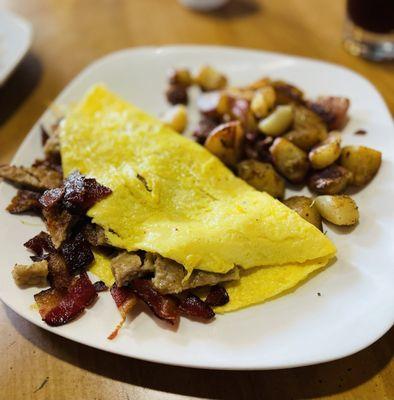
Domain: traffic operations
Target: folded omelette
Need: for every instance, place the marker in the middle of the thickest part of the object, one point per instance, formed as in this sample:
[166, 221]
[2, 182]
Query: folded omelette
[174, 198]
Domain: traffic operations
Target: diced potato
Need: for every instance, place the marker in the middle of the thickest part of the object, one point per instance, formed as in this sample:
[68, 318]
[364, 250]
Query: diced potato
[277, 122]
[327, 152]
[256, 85]
[240, 110]
[307, 121]
[177, 94]
[209, 78]
[289, 160]
[214, 104]
[225, 142]
[332, 109]
[340, 210]
[286, 93]
[331, 180]
[362, 161]
[240, 93]
[263, 101]
[180, 76]
[305, 139]
[262, 176]
[305, 207]
[176, 118]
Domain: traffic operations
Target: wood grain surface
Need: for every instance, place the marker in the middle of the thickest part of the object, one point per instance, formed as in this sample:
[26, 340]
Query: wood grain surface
[68, 35]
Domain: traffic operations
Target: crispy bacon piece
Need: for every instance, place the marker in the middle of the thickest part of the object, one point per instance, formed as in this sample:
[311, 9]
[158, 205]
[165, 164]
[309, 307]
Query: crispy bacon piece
[163, 306]
[332, 110]
[58, 274]
[100, 286]
[51, 162]
[24, 200]
[217, 296]
[192, 306]
[40, 243]
[125, 300]
[82, 193]
[77, 253]
[59, 307]
[51, 198]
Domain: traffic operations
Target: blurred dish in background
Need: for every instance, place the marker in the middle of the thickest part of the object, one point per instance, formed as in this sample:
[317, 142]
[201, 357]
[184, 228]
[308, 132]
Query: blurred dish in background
[204, 5]
[15, 41]
[369, 29]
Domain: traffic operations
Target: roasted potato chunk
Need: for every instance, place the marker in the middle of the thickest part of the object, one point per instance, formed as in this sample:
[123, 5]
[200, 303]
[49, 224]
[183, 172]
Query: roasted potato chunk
[362, 161]
[340, 210]
[240, 110]
[305, 139]
[331, 180]
[286, 93]
[305, 207]
[225, 142]
[208, 78]
[176, 118]
[289, 160]
[262, 176]
[180, 76]
[306, 120]
[177, 94]
[332, 109]
[214, 104]
[263, 101]
[327, 152]
[277, 122]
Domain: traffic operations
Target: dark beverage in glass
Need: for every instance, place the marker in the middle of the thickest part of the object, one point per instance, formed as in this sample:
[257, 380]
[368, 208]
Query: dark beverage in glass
[369, 29]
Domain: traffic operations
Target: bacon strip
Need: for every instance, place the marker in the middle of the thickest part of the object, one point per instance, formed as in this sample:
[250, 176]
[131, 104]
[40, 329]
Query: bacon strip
[57, 308]
[163, 306]
[193, 306]
[24, 200]
[125, 301]
[40, 243]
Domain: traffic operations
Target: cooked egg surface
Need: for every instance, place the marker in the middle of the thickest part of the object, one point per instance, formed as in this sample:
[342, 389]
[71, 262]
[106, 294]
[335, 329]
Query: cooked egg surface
[260, 284]
[172, 197]
[101, 267]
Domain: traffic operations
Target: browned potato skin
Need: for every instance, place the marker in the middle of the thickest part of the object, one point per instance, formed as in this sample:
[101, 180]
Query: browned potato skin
[289, 160]
[262, 176]
[304, 139]
[213, 104]
[304, 206]
[286, 93]
[339, 210]
[362, 161]
[225, 142]
[308, 128]
[331, 180]
[327, 152]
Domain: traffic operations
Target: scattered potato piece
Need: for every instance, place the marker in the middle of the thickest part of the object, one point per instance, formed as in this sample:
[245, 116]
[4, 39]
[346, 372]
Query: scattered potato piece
[305, 139]
[286, 93]
[176, 118]
[225, 142]
[305, 207]
[362, 161]
[263, 101]
[340, 210]
[307, 120]
[256, 85]
[30, 275]
[209, 78]
[177, 94]
[213, 104]
[277, 122]
[240, 110]
[180, 76]
[331, 180]
[327, 152]
[289, 160]
[332, 109]
[262, 176]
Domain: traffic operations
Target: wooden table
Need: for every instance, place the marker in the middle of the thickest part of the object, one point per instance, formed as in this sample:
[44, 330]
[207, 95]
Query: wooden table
[68, 35]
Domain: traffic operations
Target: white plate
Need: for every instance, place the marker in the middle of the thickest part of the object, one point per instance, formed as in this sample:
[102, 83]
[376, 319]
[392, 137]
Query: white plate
[356, 306]
[15, 40]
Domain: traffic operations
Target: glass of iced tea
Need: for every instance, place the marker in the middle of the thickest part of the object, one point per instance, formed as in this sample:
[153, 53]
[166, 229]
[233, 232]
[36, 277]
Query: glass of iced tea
[369, 29]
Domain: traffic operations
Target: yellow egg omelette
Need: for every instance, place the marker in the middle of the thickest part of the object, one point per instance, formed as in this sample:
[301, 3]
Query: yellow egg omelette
[173, 197]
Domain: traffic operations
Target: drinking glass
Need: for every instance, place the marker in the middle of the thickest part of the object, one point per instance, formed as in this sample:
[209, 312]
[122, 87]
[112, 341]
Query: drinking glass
[369, 29]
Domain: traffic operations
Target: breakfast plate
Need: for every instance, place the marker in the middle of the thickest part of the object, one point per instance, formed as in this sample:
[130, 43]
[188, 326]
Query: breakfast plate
[15, 40]
[340, 311]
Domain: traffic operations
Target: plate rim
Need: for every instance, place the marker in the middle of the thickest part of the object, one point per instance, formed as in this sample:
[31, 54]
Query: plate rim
[199, 365]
